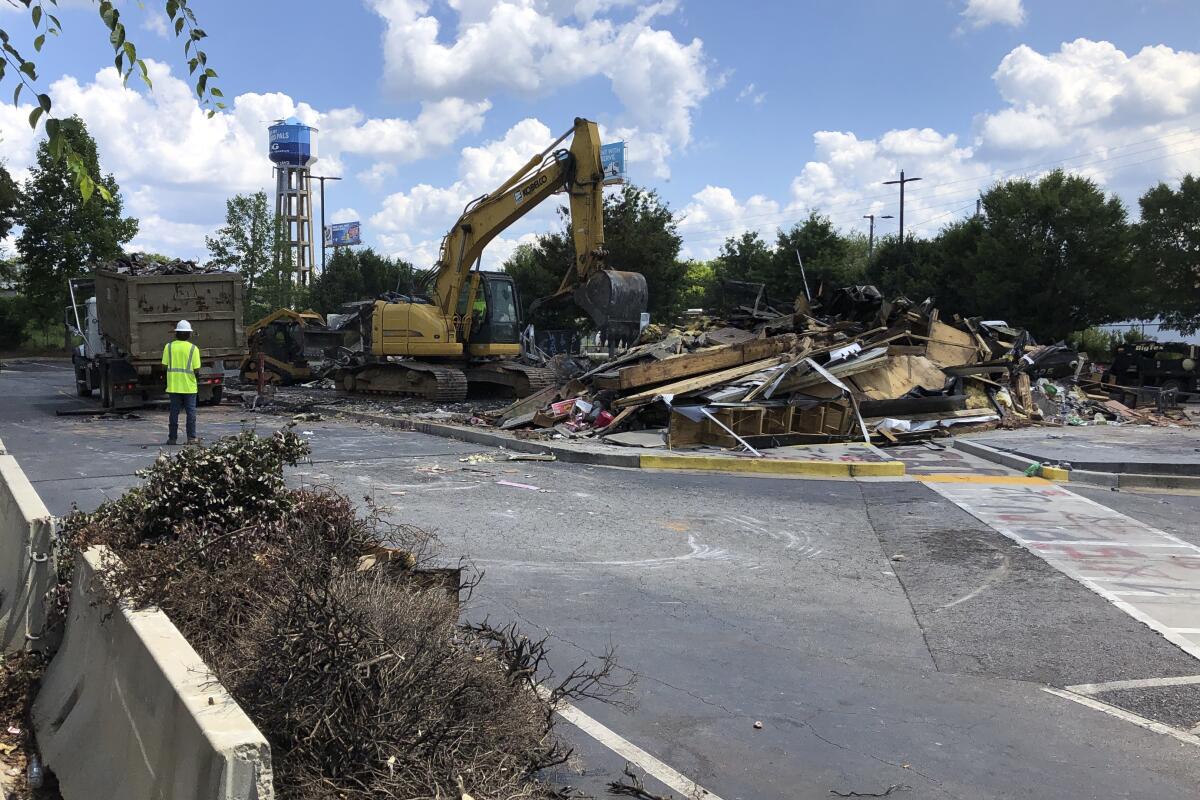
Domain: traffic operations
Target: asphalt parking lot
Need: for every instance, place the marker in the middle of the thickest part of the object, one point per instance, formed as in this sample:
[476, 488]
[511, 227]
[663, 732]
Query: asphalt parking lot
[883, 636]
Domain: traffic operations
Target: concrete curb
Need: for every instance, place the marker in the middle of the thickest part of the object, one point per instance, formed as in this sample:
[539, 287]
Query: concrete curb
[1109, 480]
[634, 460]
[1019, 463]
[775, 466]
[476, 436]
[27, 572]
[128, 709]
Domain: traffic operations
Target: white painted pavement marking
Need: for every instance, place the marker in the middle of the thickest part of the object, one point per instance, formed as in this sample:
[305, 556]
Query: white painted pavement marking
[1127, 716]
[631, 752]
[1143, 683]
[1125, 561]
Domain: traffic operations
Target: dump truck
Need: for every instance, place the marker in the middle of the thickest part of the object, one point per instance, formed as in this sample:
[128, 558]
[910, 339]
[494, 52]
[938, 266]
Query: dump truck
[125, 320]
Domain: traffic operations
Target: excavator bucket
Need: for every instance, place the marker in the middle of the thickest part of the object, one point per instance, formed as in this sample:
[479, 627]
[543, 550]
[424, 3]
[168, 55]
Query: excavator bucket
[615, 301]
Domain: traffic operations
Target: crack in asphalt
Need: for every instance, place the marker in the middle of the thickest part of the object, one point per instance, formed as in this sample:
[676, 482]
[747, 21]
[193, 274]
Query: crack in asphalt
[916, 619]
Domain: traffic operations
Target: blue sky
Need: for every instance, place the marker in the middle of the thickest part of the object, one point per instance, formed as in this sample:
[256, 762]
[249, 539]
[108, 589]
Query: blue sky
[742, 115]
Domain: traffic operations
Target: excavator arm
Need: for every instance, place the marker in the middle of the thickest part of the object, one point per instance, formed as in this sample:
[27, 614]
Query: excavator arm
[614, 299]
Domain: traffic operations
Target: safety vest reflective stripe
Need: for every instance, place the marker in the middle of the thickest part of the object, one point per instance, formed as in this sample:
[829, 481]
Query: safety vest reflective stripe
[171, 358]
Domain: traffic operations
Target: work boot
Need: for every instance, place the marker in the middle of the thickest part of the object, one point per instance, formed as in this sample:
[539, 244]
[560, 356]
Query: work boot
[195, 440]
[171, 442]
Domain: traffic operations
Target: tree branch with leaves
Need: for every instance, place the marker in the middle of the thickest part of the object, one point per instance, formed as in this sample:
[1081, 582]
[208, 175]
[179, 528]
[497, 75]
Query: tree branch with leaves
[14, 66]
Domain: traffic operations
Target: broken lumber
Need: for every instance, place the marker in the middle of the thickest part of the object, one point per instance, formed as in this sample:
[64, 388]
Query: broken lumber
[699, 382]
[697, 363]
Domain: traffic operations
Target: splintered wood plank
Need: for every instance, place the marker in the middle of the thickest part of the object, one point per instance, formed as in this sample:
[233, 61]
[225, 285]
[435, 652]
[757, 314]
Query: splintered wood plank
[699, 382]
[701, 361]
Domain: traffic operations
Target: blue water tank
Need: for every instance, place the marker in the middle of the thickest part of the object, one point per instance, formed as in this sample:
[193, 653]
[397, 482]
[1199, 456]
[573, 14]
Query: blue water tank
[292, 142]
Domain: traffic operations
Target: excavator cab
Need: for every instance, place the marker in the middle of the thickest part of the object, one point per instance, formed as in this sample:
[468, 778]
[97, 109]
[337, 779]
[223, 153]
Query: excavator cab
[495, 313]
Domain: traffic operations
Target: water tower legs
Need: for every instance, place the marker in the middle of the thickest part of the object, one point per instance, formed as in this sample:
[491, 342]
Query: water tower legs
[293, 207]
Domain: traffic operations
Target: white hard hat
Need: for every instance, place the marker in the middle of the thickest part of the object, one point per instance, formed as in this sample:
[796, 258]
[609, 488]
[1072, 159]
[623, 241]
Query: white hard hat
[183, 327]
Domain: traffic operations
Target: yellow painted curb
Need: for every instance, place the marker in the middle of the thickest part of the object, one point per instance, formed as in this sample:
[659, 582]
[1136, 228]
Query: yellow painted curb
[877, 469]
[968, 478]
[1056, 474]
[773, 466]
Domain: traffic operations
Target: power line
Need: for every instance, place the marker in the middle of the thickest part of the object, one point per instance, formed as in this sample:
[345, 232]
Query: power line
[949, 199]
[983, 179]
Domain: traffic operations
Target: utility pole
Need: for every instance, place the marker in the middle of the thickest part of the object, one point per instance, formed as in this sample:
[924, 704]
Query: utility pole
[871, 237]
[322, 179]
[903, 180]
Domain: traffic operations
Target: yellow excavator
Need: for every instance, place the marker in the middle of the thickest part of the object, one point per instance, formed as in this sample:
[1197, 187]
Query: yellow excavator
[464, 328]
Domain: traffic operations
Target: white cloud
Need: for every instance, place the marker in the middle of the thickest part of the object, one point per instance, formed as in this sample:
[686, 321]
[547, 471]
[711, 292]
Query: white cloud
[412, 222]
[158, 235]
[529, 47]
[438, 125]
[982, 13]
[157, 23]
[716, 208]
[176, 165]
[343, 215]
[751, 94]
[1125, 121]
[376, 174]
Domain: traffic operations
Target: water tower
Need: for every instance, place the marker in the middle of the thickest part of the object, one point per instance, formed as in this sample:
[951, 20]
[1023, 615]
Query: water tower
[294, 149]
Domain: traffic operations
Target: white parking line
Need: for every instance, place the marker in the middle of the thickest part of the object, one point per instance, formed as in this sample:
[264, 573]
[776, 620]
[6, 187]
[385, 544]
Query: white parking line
[1127, 716]
[631, 752]
[1145, 683]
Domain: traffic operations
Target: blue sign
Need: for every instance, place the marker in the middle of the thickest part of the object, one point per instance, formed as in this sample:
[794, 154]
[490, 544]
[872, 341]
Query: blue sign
[343, 233]
[612, 160]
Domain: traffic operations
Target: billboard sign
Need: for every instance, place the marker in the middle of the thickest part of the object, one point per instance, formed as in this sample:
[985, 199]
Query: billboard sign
[612, 159]
[343, 233]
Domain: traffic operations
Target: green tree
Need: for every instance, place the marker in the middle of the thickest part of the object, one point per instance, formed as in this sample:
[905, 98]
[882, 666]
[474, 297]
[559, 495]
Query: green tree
[700, 285]
[359, 275]
[278, 287]
[826, 254]
[9, 195]
[1167, 252]
[246, 243]
[1053, 256]
[63, 235]
[744, 258]
[12, 323]
[941, 268]
[641, 236]
[23, 72]
[537, 271]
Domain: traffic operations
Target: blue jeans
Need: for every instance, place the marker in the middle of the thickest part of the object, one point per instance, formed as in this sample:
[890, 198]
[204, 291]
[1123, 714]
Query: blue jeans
[188, 403]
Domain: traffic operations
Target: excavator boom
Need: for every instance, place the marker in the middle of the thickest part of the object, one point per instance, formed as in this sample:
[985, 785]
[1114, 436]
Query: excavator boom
[613, 299]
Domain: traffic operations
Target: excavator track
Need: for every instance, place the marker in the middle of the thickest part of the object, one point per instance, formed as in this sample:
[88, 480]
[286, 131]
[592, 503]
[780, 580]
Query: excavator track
[522, 379]
[434, 382]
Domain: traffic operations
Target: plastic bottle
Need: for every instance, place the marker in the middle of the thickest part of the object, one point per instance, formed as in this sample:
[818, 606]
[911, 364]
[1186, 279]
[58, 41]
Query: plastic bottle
[34, 773]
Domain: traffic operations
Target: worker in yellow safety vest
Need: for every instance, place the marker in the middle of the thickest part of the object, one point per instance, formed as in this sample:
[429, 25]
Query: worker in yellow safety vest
[181, 357]
[478, 310]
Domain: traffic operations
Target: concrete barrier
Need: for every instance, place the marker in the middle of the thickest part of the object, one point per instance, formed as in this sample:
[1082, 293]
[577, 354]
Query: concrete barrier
[27, 571]
[127, 709]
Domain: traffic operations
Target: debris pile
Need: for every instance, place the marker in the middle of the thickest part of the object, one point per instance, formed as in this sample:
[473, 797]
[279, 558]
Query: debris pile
[140, 264]
[323, 625]
[849, 367]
